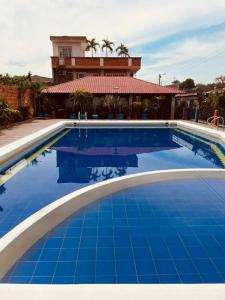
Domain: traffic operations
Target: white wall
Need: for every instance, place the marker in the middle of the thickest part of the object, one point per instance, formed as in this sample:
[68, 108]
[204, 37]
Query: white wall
[77, 48]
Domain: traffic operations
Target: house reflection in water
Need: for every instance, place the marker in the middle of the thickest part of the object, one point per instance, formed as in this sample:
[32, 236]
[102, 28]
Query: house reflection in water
[99, 154]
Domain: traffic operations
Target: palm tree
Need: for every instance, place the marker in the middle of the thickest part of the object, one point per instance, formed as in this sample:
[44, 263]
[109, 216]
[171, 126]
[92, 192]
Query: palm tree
[80, 98]
[107, 45]
[92, 45]
[122, 50]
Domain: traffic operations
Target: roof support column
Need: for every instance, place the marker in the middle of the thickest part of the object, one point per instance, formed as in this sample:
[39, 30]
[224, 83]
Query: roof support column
[172, 109]
[130, 103]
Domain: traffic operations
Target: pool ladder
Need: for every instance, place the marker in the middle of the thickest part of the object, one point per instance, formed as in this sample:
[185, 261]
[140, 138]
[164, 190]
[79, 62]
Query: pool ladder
[85, 116]
[219, 119]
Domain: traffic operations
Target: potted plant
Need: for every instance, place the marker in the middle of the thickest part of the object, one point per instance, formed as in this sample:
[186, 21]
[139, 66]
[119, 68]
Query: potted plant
[155, 105]
[145, 109]
[110, 104]
[136, 108]
[120, 107]
[95, 105]
[81, 99]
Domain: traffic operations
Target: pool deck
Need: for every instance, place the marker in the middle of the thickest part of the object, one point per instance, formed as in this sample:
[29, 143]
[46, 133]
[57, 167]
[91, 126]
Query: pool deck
[15, 132]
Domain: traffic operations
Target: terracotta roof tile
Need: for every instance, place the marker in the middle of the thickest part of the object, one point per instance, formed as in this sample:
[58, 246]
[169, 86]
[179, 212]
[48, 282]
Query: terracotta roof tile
[110, 85]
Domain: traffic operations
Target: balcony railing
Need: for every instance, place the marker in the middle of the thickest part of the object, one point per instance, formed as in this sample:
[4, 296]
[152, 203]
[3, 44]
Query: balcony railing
[97, 62]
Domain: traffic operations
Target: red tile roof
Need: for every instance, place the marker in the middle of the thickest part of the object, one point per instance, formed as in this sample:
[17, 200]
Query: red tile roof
[110, 85]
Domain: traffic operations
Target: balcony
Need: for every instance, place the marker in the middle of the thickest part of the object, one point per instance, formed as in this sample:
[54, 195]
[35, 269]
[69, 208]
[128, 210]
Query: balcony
[101, 63]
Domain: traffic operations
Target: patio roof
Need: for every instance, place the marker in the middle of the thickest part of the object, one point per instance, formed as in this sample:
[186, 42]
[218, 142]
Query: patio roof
[110, 85]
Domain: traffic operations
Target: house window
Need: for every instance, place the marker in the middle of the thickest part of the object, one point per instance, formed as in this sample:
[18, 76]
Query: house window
[65, 52]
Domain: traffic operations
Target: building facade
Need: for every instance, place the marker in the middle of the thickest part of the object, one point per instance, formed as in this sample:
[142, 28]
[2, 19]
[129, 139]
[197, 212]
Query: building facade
[69, 61]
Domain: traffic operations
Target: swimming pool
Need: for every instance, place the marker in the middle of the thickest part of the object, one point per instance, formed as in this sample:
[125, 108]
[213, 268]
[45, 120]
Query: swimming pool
[78, 157]
[167, 232]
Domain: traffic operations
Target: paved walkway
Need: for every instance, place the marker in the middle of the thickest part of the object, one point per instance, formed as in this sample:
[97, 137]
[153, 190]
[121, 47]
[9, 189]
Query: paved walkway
[16, 132]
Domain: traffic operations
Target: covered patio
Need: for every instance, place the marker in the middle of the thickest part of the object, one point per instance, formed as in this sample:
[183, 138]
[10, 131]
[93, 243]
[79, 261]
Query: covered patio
[114, 97]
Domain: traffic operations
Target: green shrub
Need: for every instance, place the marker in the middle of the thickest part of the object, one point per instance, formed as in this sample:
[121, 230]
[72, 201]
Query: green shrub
[25, 112]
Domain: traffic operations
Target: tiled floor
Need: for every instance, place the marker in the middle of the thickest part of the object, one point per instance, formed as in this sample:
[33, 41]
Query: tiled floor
[171, 232]
[13, 133]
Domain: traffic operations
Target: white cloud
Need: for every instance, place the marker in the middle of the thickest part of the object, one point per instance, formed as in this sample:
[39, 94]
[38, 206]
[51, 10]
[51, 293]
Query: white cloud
[25, 25]
[195, 57]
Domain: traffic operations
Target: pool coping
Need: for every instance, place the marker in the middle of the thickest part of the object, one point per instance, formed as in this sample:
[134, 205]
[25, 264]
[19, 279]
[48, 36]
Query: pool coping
[113, 292]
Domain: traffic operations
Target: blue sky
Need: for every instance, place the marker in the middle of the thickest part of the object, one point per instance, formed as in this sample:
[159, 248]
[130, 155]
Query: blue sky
[180, 38]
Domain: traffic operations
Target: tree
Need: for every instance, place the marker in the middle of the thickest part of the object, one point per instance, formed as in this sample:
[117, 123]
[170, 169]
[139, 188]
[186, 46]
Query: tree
[37, 88]
[175, 81]
[92, 46]
[108, 46]
[220, 81]
[187, 84]
[122, 50]
[80, 98]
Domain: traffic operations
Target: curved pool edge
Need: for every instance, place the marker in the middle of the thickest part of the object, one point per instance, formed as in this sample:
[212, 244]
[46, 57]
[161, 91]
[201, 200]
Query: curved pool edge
[16, 242]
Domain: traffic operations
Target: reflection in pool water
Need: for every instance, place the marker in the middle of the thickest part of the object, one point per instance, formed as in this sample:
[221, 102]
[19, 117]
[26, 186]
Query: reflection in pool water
[85, 156]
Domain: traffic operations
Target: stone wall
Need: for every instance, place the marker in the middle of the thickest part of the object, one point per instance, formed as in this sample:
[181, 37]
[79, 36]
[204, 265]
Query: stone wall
[13, 96]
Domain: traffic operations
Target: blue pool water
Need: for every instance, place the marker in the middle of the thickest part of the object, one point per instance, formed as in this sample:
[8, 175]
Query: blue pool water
[85, 156]
[170, 232]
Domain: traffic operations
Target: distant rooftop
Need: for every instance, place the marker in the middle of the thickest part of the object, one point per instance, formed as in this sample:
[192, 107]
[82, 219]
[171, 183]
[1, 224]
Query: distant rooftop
[42, 79]
[63, 38]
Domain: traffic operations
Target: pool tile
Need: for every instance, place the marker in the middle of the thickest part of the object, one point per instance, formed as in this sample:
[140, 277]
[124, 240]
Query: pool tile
[190, 278]
[129, 279]
[165, 266]
[148, 279]
[68, 254]
[53, 243]
[197, 252]
[23, 269]
[45, 269]
[204, 266]
[84, 279]
[185, 266]
[41, 280]
[87, 254]
[70, 243]
[65, 269]
[49, 255]
[160, 252]
[107, 279]
[125, 267]
[105, 253]
[105, 268]
[123, 253]
[84, 268]
[212, 278]
[145, 267]
[166, 279]
[63, 280]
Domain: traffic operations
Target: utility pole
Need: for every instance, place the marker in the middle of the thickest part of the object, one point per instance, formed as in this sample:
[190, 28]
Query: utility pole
[160, 77]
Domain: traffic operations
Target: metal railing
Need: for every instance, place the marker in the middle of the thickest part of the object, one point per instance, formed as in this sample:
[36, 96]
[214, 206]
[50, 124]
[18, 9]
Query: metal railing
[84, 116]
[219, 121]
